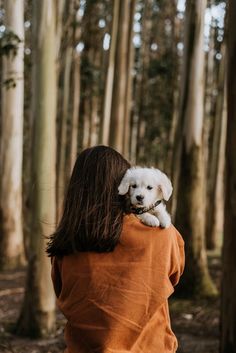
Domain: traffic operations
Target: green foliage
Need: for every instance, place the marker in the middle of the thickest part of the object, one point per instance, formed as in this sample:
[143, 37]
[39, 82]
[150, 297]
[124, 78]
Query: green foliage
[9, 42]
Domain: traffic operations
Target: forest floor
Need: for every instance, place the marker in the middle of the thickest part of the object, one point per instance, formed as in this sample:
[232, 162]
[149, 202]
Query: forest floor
[195, 322]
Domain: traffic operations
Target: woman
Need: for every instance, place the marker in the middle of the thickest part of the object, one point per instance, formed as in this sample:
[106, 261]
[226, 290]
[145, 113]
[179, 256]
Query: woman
[112, 274]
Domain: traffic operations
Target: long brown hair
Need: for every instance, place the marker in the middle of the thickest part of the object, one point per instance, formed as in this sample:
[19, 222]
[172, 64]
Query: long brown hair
[93, 211]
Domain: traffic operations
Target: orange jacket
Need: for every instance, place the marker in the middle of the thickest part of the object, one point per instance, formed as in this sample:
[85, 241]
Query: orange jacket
[116, 302]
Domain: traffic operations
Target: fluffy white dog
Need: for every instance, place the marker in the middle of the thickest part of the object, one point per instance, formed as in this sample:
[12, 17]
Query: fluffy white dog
[147, 188]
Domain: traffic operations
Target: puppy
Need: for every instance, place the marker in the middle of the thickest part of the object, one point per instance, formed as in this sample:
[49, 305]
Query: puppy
[147, 188]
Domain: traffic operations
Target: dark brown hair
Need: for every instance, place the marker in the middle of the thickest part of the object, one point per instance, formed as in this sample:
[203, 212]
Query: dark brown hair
[93, 211]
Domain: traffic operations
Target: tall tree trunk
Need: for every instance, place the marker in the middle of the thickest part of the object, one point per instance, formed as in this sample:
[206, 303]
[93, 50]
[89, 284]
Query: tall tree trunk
[142, 79]
[11, 231]
[190, 212]
[76, 62]
[215, 200]
[37, 314]
[175, 37]
[94, 103]
[110, 75]
[129, 86]
[218, 220]
[120, 82]
[75, 110]
[62, 148]
[228, 313]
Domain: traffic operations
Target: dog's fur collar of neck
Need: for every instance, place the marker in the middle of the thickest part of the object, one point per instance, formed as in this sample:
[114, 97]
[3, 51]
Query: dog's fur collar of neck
[141, 210]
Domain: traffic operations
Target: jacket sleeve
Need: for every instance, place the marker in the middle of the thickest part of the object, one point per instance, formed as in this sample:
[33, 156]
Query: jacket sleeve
[56, 276]
[177, 258]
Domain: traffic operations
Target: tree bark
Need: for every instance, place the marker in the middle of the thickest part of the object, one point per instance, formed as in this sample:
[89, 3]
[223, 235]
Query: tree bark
[228, 304]
[75, 110]
[129, 86]
[142, 80]
[91, 61]
[190, 212]
[174, 101]
[37, 315]
[215, 200]
[121, 79]
[11, 229]
[63, 121]
[110, 75]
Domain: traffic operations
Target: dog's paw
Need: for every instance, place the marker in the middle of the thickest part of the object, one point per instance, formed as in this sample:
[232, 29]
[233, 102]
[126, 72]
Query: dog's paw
[149, 220]
[153, 222]
[166, 223]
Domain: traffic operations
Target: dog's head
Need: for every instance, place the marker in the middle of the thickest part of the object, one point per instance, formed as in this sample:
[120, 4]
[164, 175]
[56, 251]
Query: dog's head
[145, 186]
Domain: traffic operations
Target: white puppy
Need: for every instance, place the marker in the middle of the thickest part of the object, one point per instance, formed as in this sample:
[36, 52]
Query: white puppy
[147, 188]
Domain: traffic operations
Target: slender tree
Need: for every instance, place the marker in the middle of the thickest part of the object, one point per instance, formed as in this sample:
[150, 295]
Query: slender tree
[110, 75]
[37, 315]
[63, 116]
[173, 93]
[228, 314]
[129, 85]
[190, 212]
[141, 84]
[11, 153]
[121, 78]
[215, 201]
[76, 35]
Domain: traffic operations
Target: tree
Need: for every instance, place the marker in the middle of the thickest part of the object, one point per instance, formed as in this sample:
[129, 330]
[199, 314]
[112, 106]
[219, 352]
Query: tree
[11, 231]
[228, 306]
[215, 201]
[91, 70]
[121, 83]
[110, 75]
[141, 82]
[190, 211]
[64, 93]
[75, 89]
[37, 315]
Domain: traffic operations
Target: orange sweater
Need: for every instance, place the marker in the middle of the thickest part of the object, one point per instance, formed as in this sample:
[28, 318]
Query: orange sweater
[117, 302]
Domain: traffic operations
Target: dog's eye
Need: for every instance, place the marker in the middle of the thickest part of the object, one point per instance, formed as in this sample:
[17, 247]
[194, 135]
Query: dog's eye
[134, 186]
[149, 187]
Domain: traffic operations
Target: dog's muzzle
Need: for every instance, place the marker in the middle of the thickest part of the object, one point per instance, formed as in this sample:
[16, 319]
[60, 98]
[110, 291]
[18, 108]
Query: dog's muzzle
[141, 210]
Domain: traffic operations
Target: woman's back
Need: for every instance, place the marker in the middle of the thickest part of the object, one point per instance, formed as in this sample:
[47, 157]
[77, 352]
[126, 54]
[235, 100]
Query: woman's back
[117, 301]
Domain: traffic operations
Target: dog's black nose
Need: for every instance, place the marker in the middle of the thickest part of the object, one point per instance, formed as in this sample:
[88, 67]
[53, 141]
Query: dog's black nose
[140, 197]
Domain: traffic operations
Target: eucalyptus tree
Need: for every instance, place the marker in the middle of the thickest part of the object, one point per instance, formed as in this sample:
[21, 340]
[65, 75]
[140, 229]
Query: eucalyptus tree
[191, 193]
[228, 307]
[122, 84]
[37, 315]
[11, 148]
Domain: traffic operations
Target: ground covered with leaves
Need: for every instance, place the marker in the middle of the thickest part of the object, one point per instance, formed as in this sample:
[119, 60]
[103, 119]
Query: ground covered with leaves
[195, 322]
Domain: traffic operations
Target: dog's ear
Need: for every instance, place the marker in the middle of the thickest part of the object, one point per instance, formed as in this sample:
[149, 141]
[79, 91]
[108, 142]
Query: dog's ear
[123, 188]
[164, 184]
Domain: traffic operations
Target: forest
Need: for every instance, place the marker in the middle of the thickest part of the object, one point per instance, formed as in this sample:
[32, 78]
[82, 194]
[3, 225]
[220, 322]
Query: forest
[156, 81]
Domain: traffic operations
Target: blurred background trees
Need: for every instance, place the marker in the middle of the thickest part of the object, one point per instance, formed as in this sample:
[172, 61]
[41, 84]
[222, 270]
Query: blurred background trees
[12, 105]
[145, 77]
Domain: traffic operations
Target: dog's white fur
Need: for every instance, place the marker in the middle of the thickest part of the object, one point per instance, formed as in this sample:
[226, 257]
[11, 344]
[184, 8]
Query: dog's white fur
[145, 186]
